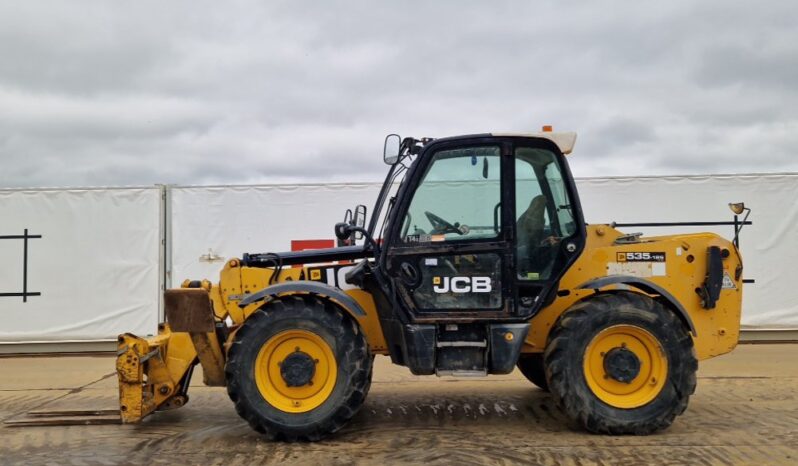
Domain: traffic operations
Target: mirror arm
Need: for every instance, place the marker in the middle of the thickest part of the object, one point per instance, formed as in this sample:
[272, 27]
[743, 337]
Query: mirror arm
[344, 230]
[738, 226]
[369, 239]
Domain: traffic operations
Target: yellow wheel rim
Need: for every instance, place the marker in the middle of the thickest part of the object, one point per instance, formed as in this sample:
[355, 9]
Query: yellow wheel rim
[306, 346]
[635, 387]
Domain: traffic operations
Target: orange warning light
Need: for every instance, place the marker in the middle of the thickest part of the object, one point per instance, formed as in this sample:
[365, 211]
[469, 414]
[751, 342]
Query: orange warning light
[547, 128]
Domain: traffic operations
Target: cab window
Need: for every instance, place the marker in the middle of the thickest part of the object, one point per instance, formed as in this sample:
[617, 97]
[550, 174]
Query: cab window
[543, 212]
[458, 197]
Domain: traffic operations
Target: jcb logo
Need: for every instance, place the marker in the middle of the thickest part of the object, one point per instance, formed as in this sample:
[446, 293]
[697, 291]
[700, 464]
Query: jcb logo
[461, 284]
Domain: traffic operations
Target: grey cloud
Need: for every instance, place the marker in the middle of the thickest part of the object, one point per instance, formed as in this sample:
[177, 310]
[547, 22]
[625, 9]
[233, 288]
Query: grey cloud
[752, 66]
[249, 92]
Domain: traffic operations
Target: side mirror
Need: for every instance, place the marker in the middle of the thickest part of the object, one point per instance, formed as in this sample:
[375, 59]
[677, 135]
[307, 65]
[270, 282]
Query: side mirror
[391, 148]
[343, 230]
[359, 219]
[360, 216]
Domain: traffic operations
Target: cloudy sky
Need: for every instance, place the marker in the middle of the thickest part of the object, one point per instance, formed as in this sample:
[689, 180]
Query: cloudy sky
[119, 93]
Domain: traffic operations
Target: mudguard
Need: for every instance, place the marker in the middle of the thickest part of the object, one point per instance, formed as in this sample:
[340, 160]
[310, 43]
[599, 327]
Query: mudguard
[647, 287]
[306, 287]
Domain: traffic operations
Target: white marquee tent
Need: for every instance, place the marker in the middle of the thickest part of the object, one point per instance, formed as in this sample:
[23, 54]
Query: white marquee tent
[99, 257]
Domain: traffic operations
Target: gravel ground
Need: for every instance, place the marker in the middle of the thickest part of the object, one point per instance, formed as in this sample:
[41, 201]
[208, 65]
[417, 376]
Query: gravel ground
[745, 411]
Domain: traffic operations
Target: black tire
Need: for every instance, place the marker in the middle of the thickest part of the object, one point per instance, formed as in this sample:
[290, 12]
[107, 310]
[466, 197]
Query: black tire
[531, 365]
[565, 353]
[352, 357]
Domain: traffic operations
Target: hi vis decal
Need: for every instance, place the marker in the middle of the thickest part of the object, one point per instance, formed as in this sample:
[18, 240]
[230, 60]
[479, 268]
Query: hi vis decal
[461, 284]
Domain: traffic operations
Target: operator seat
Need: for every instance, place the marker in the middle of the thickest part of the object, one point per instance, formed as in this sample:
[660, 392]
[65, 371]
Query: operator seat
[531, 222]
[530, 227]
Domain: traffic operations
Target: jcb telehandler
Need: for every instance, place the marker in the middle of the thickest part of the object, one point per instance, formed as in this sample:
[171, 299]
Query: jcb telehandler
[479, 262]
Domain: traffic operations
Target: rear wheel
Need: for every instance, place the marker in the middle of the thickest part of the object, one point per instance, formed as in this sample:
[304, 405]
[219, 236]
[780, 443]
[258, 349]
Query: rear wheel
[620, 363]
[298, 369]
[531, 365]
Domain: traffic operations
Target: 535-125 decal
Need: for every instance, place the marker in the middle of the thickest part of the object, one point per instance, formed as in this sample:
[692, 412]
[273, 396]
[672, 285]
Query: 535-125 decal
[640, 257]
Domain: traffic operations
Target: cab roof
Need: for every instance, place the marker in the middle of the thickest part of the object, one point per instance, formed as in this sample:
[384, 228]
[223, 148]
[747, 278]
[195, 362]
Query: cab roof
[564, 140]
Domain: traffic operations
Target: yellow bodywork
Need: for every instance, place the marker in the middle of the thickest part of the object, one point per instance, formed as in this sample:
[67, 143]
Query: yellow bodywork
[643, 388]
[151, 370]
[274, 388]
[717, 330]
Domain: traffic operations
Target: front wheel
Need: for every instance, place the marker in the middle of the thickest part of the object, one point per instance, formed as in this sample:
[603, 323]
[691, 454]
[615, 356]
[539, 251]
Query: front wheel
[531, 365]
[620, 363]
[298, 369]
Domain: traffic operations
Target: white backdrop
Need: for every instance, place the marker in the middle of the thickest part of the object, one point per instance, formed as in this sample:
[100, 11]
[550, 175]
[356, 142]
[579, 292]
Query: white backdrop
[99, 262]
[233, 220]
[768, 246]
[97, 265]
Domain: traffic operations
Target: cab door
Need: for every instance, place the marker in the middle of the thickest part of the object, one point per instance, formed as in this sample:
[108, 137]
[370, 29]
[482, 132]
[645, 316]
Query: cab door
[549, 229]
[450, 254]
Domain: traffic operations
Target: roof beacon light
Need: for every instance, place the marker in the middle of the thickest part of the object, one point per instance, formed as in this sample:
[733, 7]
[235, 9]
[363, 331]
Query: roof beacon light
[737, 207]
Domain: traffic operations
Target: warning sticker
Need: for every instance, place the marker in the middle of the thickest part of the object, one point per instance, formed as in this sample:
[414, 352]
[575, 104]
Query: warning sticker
[424, 238]
[417, 239]
[637, 269]
[640, 257]
[728, 283]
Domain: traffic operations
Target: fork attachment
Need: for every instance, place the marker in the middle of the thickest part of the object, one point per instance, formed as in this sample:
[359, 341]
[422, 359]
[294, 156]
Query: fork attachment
[154, 373]
[66, 418]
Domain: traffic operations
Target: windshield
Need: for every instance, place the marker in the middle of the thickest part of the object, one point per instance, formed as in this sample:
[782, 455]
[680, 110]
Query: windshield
[458, 197]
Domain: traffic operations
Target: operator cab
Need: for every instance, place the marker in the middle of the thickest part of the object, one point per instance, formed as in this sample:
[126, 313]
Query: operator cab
[474, 243]
[484, 226]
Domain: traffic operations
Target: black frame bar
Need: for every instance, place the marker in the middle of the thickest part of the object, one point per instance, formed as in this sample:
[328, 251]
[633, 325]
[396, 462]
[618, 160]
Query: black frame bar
[25, 293]
[680, 224]
[736, 223]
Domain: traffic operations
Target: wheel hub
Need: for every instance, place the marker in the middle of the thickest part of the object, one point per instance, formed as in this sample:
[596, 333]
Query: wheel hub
[625, 366]
[622, 365]
[297, 369]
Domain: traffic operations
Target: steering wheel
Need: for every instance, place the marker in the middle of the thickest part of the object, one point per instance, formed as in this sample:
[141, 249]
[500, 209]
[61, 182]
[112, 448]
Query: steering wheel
[549, 241]
[440, 225]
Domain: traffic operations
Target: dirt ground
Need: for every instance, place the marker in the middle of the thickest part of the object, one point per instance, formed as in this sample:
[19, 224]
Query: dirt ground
[745, 411]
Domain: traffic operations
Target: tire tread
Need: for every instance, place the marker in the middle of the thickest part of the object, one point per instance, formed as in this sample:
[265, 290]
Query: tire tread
[352, 344]
[576, 401]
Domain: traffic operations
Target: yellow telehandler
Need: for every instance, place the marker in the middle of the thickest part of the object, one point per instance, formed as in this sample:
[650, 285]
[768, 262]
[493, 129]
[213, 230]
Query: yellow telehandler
[475, 260]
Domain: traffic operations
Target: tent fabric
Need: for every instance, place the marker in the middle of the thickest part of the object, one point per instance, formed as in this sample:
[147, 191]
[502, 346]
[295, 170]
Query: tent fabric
[99, 264]
[768, 246]
[232, 220]
[96, 265]
[226, 221]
